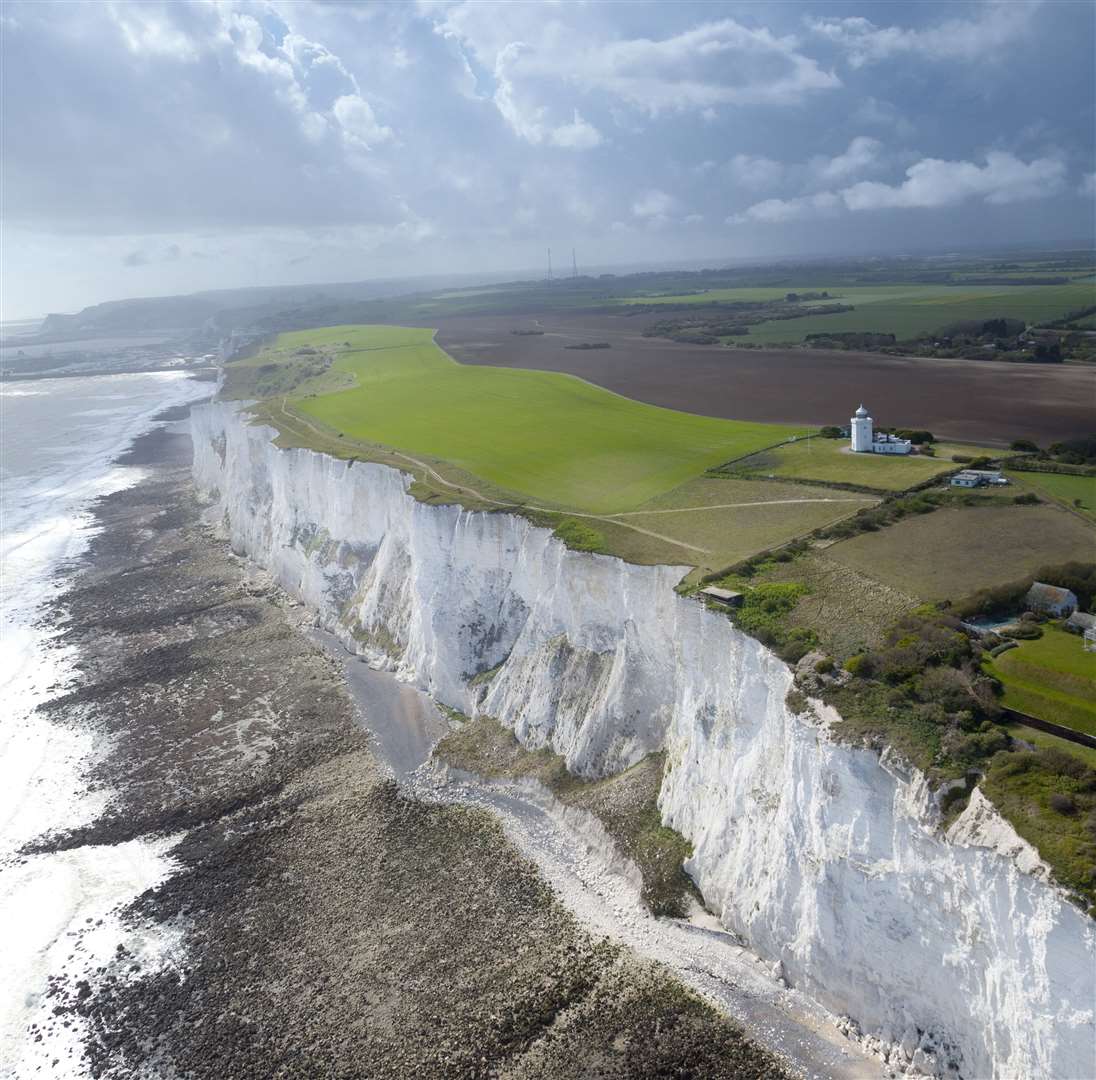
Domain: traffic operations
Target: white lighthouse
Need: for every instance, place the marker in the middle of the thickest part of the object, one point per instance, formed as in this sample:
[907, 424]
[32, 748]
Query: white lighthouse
[860, 427]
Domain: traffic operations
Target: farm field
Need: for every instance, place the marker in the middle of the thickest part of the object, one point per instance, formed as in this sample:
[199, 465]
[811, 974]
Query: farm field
[714, 521]
[1051, 678]
[831, 461]
[915, 309]
[733, 295]
[1062, 487]
[973, 401]
[542, 435]
[954, 552]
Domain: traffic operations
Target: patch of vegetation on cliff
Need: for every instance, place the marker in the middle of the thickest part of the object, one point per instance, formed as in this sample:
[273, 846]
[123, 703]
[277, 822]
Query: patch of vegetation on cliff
[626, 804]
[1049, 796]
[580, 537]
[927, 694]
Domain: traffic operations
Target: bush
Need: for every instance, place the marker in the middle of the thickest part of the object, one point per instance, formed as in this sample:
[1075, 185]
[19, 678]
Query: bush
[858, 665]
[1024, 446]
[1063, 804]
[580, 537]
[1002, 648]
[831, 432]
[1022, 631]
[824, 666]
[1029, 498]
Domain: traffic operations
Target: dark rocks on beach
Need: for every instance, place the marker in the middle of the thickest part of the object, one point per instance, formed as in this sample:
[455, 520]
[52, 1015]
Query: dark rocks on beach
[331, 925]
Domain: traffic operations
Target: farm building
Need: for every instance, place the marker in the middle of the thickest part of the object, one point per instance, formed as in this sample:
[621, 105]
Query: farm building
[867, 441]
[723, 596]
[1050, 599]
[1079, 622]
[977, 477]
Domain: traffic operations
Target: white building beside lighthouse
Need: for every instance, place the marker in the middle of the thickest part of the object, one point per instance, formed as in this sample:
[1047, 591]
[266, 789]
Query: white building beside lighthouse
[867, 441]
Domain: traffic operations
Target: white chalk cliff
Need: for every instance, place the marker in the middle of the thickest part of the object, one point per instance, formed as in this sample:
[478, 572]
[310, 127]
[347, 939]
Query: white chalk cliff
[824, 857]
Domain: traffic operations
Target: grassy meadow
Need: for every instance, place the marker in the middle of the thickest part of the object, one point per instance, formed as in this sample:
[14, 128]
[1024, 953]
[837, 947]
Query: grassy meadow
[543, 435]
[909, 310]
[1052, 678]
[1066, 489]
[830, 461]
[954, 552]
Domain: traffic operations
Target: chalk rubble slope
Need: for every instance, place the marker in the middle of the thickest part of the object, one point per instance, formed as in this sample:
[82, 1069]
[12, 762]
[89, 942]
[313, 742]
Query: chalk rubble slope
[827, 859]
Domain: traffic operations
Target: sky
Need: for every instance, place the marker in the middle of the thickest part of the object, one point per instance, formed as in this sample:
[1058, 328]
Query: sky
[158, 148]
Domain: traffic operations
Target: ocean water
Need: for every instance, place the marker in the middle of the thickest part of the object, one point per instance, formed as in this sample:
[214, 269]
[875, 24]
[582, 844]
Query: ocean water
[59, 443]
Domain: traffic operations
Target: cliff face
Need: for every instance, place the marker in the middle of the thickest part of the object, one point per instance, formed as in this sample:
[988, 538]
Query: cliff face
[822, 856]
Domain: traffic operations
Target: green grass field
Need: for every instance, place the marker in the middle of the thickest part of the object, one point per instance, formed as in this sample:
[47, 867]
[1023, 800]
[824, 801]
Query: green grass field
[732, 296]
[831, 461]
[952, 553]
[547, 436]
[714, 521]
[909, 310]
[1063, 488]
[1051, 678]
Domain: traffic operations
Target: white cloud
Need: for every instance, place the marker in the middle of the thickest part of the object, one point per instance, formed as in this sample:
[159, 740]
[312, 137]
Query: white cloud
[931, 182]
[778, 211]
[861, 155]
[654, 204]
[1088, 185]
[538, 54]
[358, 123]
[755, 173]
[996, 26]
[149, 32]
[715, 63]
[578, 135]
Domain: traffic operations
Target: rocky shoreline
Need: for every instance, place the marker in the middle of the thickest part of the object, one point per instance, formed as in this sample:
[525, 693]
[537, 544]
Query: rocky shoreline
[327, 924]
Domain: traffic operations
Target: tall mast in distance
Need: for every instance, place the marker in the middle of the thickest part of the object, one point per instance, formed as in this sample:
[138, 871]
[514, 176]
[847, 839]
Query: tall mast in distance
[574, 264]
[549, 264]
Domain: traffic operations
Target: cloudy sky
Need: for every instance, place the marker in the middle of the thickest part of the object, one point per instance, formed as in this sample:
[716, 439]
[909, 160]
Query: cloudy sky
[156, 148]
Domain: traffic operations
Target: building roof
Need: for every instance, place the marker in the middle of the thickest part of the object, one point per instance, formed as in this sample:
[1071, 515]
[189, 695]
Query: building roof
[861, 411]
[721, 594]
[1050, 595]
[1082, 621]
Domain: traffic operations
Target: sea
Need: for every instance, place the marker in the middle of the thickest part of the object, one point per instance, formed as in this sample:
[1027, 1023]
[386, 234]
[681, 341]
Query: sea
[60, 440]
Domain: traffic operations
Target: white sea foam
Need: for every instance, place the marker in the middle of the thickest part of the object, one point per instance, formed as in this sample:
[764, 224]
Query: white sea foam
[60, 441]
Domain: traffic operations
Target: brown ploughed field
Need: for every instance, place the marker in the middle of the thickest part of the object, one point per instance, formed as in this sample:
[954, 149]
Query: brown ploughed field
[982, 401]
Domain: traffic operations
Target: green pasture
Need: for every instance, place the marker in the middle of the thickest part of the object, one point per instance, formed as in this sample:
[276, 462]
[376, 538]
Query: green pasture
[1052, 678]
[734, 295]
[830, 461]
[1065, 488]
[955, 552]
[551, 437]
[909, 310]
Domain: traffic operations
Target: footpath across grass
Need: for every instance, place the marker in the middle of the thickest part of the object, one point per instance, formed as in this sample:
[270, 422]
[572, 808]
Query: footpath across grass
[547, 436]
[1051, 678]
